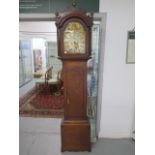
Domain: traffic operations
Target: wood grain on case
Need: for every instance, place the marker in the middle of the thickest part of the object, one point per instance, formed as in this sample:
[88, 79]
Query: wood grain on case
[75, 136]
[75, 129]
[75, 90]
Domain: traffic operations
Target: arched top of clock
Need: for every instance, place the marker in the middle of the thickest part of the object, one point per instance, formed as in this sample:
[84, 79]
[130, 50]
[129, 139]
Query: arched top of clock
[74, 44]
[78, 14]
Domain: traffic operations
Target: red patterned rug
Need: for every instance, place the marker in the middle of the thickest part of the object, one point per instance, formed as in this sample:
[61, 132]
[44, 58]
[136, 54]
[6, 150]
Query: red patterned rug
[42, 105]
[48, 101]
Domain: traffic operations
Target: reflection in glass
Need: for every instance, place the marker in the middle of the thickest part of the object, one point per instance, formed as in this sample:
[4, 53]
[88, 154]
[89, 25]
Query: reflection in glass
[92, 81]
[53, 56]
[25, 61]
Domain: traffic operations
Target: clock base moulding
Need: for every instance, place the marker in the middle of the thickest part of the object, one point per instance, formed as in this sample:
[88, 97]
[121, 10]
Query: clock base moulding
[75, 136]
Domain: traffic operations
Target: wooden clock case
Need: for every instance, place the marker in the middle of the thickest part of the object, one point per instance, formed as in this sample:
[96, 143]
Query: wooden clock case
[75, 128]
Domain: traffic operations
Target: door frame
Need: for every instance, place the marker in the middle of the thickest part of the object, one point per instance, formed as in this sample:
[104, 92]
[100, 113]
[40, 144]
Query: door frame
[32, 17]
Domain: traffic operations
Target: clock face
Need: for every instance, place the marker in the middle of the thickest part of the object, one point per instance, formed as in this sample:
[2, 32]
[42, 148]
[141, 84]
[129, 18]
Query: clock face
[74, 38]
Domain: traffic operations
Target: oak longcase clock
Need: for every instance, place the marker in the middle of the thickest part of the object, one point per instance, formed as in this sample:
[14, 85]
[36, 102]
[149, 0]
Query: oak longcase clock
[74, 49]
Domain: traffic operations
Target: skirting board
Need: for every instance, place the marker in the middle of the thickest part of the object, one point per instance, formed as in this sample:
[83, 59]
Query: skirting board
[117, 136]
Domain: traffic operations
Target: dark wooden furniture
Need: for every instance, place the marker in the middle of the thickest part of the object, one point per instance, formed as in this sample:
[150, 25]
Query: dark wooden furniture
[54, 83]
[74, 49]
[41, 82]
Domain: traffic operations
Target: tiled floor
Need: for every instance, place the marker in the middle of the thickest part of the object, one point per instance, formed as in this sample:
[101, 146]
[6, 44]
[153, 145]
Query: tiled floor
[41, 136]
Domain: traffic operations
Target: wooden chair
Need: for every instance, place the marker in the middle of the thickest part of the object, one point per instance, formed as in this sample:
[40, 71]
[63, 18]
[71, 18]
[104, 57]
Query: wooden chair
[54, 82]
[41, 83]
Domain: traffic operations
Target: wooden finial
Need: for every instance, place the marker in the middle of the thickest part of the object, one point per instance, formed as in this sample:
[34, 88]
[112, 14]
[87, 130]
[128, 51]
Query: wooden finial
[74, 3]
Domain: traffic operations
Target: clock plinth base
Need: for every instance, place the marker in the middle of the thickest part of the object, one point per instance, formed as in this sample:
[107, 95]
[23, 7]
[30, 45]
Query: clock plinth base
[75, 135]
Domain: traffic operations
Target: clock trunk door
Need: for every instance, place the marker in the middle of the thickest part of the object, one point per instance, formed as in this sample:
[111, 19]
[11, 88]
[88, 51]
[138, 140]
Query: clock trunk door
[76, 90]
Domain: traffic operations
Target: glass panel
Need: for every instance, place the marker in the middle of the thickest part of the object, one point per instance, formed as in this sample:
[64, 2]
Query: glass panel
[92, 78]
[25, 62]
[36, 37]
[53, 56]
[39, 54]
[27, 54]
[21, 75]
[74, 38]
[93, 63]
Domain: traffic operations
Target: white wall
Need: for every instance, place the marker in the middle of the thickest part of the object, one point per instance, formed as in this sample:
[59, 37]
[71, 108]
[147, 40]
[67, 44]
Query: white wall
[117, 111]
